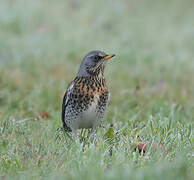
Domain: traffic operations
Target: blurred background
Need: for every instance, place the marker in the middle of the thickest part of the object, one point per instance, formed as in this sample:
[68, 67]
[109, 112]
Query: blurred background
[151, 81]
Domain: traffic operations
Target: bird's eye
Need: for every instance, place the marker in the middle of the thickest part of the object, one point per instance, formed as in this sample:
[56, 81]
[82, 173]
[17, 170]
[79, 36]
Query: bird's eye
[96, 58]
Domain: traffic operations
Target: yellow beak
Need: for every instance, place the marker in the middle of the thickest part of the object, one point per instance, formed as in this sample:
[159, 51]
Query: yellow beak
[108, 56]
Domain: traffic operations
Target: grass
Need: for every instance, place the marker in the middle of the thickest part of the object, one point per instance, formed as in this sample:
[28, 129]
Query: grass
[151, 84]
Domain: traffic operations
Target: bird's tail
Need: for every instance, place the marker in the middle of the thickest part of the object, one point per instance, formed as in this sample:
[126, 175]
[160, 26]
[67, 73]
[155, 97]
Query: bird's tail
[66, 128]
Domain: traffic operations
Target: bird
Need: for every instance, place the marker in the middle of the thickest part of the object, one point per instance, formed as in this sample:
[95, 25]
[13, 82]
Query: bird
[85, 100]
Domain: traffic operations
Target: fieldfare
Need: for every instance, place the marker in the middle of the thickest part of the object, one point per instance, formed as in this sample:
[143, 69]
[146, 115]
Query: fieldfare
[86, 97]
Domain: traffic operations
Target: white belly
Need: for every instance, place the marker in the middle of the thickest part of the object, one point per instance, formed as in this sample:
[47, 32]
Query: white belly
[89, 118]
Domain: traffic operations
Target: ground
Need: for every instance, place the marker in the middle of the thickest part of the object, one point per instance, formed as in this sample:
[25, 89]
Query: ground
[150, 79]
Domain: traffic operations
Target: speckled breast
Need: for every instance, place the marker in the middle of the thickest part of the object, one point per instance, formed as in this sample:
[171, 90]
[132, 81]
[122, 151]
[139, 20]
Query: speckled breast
[90, 99]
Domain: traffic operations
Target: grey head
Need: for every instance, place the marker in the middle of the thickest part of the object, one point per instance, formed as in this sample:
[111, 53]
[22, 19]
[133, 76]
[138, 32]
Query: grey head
[93, 63]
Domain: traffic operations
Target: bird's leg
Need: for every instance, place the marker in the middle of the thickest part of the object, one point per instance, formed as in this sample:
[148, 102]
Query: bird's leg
[92, 134]
[74, 134]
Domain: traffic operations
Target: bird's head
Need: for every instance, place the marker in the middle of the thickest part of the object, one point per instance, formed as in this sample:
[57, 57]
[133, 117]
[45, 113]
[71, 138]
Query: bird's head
[93, 64]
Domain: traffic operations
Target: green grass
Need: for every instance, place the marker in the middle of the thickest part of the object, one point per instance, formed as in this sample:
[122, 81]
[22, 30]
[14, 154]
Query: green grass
[151, 84]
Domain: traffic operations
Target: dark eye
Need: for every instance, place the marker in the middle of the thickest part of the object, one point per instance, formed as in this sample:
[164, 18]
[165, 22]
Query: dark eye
[96, 58]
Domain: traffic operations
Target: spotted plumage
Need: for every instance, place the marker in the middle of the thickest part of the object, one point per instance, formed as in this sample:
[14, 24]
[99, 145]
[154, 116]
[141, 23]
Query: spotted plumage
[86, 98]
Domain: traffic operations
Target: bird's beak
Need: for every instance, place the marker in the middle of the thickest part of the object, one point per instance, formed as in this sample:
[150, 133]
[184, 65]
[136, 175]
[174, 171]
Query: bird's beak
[108, 56]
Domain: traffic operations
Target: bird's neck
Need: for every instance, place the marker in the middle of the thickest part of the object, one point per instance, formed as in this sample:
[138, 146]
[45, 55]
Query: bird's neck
[98, 77]
[92, 72]
[97, 72]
